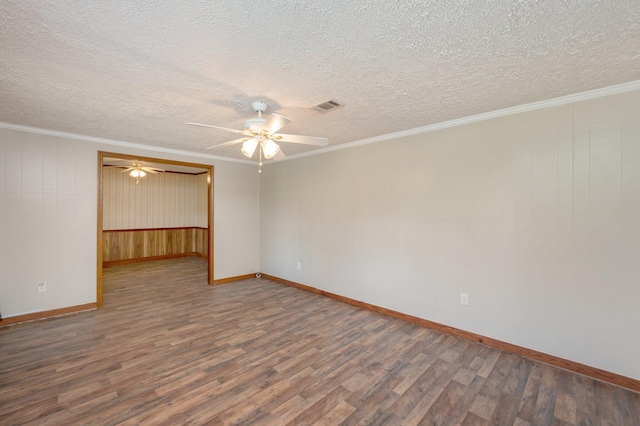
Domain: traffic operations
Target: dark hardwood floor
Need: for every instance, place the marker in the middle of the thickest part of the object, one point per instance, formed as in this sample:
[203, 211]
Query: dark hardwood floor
[167, 349]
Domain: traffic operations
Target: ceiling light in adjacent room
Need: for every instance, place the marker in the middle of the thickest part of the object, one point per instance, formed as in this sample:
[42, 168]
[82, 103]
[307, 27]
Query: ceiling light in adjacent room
[137, 173]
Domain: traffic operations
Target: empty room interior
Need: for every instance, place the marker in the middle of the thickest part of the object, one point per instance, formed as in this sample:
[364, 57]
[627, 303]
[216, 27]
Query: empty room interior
[320, 213]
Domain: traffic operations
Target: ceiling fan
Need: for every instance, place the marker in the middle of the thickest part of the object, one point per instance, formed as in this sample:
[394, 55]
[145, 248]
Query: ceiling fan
[261, 133]
[138, 170]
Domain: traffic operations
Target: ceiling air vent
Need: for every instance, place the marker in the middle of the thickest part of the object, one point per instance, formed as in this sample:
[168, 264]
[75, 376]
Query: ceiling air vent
[327, 106]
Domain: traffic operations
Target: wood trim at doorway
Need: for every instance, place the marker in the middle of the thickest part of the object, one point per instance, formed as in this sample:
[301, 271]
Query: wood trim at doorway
[210, 223]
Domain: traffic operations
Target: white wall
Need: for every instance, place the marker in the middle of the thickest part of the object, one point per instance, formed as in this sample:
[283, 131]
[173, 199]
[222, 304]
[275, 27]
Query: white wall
[48, 219]
[163, 200]
[535, 215]
[48, 214]
[236, 219]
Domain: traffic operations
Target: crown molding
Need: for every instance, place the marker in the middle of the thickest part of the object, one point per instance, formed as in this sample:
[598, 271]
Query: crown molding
[563, 100]
[105, 141]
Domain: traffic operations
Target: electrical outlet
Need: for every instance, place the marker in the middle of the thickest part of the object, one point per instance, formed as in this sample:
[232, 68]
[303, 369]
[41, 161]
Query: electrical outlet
[42, 286]
[464, 298]
[299, 266]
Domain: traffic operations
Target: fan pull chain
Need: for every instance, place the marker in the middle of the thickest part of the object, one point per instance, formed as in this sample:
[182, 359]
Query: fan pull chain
[260, 163]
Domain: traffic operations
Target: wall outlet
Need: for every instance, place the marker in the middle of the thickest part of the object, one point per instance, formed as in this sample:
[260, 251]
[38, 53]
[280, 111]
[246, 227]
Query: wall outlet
[42, 286]
[464, 298]
[299, 266]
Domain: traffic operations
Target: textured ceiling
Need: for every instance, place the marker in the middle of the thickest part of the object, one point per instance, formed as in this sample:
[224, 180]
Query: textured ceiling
[138, 71]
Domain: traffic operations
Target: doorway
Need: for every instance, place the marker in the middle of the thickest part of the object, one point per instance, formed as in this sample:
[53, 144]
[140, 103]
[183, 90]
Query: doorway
[104, 158]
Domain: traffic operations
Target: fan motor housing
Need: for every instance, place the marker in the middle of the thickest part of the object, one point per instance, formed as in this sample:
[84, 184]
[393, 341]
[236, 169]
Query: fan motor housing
[253, 124]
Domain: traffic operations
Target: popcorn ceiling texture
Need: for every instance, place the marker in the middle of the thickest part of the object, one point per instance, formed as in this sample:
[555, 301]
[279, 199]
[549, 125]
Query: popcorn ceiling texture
[137, 71]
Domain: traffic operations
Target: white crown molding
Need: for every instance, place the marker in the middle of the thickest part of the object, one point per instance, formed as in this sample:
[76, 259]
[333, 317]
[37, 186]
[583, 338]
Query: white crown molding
[578, 97]
[93, 139]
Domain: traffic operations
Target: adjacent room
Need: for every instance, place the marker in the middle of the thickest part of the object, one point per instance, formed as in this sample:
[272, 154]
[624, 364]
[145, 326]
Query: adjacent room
[320, 213]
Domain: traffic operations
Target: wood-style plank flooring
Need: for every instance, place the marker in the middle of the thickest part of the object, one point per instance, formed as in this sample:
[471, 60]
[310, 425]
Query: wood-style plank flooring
[167, 349]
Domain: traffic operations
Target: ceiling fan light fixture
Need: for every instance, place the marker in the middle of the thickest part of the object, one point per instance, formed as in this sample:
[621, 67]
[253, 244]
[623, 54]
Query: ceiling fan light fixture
[262, 134]
[269, 149]
[137, 173]
[249, 147]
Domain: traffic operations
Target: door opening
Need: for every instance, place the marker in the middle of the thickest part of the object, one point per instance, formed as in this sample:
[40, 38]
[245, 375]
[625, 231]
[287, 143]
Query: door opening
[107, 157]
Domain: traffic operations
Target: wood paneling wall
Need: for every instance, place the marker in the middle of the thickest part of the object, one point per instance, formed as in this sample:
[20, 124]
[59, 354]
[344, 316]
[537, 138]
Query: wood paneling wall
[202, 201]
[164, 215]
[120, 246]
[164, 200]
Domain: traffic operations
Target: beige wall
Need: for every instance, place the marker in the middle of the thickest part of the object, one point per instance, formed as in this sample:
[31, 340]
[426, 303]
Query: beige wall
[536, 216]
[48, 215]
[163, 200]
[48, 218]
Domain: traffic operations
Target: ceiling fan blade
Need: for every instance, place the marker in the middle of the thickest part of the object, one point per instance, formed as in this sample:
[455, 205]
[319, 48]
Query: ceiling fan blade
[307, 140]
[274, 123]
[233, 142]
[152, 169]
[216, 127]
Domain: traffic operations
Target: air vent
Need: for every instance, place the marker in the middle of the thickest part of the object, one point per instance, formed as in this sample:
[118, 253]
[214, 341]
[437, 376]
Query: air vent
[327, 106]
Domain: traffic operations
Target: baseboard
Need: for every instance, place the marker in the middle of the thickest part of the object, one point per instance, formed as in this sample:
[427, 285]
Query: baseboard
[47, 314]
[593, 372]
[107, 264]
[231, 279]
